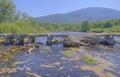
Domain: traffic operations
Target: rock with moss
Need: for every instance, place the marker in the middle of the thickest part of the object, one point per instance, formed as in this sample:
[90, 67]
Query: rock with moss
[90, 40]
[89, 60]
[80, 41]
[87, 41]
[57, 41]
[70, 42]
[68, 53]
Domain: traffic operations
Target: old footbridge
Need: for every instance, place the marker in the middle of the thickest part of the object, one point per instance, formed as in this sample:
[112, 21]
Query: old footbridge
[19, 39]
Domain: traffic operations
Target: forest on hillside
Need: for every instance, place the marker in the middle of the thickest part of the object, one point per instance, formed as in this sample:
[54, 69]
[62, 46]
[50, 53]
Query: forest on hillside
[15, 22]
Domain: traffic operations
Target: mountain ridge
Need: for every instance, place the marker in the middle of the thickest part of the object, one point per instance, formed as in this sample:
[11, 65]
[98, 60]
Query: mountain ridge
[78, 16]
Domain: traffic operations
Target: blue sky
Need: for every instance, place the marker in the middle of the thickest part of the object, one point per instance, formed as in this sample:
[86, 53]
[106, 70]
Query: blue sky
[37, 8]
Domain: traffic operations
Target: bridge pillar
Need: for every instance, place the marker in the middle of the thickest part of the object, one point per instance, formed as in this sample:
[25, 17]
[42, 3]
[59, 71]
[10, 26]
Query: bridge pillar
[31, 39]
[9, 40]
[108, 40]
[19, 40]
[49, 39]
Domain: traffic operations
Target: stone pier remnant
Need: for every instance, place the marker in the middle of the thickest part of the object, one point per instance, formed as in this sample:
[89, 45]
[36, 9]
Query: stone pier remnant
[108, 40]
[9, 40]
[19, 40]
[31, 39]
[49, 39]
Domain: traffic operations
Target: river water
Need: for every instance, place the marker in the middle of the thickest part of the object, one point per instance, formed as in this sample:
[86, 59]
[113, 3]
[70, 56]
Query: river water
[50, 61]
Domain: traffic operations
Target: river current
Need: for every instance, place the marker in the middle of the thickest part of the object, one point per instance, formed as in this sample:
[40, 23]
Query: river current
[51, 61]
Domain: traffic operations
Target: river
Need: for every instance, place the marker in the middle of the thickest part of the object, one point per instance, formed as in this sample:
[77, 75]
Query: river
[51, 61]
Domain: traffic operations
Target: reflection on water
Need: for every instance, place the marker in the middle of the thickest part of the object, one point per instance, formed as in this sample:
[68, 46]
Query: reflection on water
[56, 47]
[41, 39]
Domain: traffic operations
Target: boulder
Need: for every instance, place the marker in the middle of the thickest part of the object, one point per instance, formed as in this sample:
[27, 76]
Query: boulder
[87, 40]
[81, 41]
[108, 40]
[70, 42]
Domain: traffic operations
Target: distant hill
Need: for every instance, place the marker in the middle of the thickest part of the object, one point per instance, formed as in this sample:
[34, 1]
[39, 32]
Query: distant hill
[90, 14]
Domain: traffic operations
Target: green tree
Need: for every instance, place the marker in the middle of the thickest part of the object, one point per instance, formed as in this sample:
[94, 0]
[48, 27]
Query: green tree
[85, 26]
[7, 11]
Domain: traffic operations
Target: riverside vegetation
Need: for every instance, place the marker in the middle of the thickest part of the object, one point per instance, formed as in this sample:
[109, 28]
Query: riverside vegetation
[52, 62]
[15, 22]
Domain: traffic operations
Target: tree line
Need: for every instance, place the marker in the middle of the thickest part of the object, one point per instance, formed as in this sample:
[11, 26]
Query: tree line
[109, 26]
[15, 21]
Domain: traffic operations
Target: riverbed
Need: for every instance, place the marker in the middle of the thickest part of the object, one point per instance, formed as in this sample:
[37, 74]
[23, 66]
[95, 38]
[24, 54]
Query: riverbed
[52, 61]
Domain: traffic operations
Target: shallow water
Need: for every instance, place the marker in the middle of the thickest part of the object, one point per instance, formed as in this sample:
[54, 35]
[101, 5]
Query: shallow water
[50, 61]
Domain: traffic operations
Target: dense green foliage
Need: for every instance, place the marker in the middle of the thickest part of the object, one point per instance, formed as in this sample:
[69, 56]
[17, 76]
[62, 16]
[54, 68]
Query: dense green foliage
[110, 26]
[13, 21]
[7, 11]
[20, 26]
